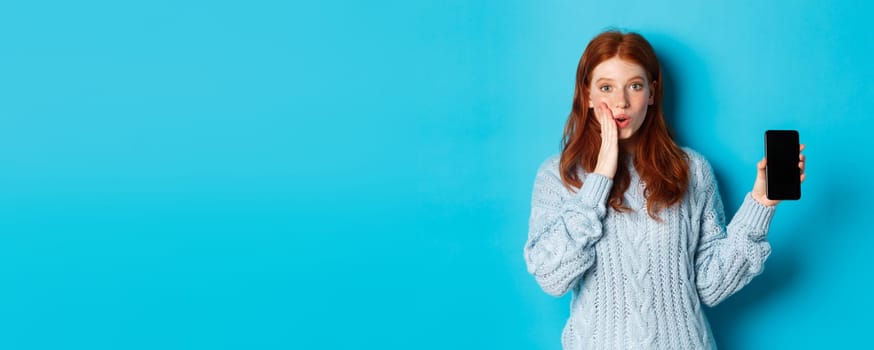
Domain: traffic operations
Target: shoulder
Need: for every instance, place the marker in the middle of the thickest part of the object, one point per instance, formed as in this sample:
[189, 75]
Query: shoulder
[549, 172]
[701, 176]
[695, 158]
[550, 165]
[698, 164]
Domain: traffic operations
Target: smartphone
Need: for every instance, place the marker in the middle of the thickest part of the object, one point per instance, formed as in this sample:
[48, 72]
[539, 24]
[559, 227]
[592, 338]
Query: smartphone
[783, 174]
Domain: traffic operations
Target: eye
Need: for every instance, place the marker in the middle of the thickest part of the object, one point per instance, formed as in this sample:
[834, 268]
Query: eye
[605, 88]
[636, 86]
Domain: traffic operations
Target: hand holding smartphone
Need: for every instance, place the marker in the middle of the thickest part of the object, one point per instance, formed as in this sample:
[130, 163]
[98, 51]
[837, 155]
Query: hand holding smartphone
[783, 180]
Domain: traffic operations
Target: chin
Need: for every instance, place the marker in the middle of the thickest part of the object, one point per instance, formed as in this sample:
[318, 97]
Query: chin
[626, 137]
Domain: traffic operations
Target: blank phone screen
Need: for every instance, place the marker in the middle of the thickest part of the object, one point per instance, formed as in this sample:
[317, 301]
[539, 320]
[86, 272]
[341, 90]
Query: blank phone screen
[781, 148]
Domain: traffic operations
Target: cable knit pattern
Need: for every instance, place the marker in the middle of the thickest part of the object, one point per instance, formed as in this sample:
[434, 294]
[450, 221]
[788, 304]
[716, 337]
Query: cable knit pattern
[638, 283]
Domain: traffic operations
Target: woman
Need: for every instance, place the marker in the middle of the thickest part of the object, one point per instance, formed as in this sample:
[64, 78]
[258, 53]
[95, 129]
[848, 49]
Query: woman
[630, 222]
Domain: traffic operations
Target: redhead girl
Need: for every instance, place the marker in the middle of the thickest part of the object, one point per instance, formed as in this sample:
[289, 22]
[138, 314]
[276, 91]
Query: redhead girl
[631, 223]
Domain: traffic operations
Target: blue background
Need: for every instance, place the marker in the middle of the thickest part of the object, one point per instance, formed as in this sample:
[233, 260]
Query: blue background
[348, 175]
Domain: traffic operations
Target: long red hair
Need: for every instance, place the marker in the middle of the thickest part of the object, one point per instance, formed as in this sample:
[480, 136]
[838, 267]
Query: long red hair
[661, 163]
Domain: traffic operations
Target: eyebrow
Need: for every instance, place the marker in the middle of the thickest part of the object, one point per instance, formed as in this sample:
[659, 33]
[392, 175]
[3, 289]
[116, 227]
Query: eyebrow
[632, 78]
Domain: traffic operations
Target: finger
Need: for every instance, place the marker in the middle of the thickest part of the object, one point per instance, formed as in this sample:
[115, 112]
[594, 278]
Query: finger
[762, 164]
[606, 113]
[606, 108]
[801, 166]
[802, 158]
[608, 125]
[600, 113]
[802, 147]
[803, 176]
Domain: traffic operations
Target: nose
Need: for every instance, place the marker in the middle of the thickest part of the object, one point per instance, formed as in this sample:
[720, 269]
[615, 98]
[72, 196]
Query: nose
[621, 100]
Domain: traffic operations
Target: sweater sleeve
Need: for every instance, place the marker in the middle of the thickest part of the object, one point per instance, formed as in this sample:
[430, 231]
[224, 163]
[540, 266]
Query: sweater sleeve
[563, 229]
[728, 257]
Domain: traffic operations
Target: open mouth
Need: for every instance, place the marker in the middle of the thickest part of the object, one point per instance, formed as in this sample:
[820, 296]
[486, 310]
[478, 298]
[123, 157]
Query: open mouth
[622, 120]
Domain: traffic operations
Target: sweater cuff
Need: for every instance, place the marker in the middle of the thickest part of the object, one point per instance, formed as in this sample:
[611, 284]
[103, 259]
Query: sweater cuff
[755, 215]
[596, 188]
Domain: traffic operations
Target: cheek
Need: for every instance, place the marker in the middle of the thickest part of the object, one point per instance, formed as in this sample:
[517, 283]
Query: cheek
[642, 98]
[641, 115]
[642, 103]
[594, 100]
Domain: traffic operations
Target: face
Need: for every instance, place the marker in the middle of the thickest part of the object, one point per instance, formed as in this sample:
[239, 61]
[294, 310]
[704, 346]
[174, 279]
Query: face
[624, 87]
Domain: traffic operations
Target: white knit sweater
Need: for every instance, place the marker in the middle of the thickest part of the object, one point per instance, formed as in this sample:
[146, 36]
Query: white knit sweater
[638, 283]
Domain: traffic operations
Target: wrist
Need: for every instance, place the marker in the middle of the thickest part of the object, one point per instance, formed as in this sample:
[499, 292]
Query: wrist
[762, 199]
[605, 171]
